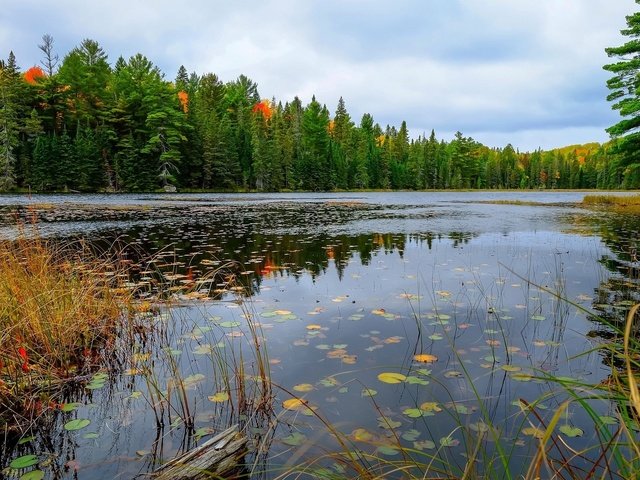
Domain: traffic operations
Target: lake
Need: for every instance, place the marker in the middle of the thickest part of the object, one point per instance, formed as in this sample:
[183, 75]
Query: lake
[408, 322]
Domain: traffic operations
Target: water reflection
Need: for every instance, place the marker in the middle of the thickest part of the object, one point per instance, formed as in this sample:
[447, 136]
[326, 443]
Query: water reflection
[341, 302]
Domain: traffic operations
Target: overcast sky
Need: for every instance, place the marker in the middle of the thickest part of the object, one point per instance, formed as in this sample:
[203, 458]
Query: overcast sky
[525, 72]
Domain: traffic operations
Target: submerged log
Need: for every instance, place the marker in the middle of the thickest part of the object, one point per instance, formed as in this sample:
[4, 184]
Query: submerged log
[218, 457]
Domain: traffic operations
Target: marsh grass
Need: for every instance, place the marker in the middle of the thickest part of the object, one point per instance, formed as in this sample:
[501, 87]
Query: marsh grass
[60, 308]
[621, 202]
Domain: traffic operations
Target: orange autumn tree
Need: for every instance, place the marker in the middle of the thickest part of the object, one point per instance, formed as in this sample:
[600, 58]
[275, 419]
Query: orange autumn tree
[32, 75]
[263, 107]
[184, 100]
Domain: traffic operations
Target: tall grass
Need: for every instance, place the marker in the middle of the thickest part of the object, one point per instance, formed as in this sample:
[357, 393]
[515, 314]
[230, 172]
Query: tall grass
[58, 307]
[622, 201]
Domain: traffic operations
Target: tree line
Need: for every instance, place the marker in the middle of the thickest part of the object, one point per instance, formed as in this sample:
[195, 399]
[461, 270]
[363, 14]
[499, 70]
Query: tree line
[81, 124]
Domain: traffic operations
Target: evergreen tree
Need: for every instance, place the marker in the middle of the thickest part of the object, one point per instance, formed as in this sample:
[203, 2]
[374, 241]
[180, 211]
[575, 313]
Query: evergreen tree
[10, 112]
[625, 92]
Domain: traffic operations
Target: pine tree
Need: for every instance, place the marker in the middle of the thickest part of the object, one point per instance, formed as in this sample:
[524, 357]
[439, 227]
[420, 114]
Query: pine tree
[10, 111]
[625, 92]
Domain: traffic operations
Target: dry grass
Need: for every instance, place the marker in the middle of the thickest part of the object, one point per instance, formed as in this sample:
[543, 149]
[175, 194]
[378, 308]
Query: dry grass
[58, 309]
[615, 201]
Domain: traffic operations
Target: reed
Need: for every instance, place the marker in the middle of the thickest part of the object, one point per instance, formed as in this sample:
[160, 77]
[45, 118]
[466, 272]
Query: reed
[60, 307]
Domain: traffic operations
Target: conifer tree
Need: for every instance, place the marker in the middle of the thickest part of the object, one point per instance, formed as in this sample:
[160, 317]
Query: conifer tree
[625, 93]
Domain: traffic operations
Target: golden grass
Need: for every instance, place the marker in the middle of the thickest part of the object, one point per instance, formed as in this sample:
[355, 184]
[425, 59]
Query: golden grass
[57, 309]
[618, 201]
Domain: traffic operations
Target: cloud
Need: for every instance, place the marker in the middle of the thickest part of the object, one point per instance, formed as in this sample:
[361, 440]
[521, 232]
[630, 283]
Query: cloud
[529, 70]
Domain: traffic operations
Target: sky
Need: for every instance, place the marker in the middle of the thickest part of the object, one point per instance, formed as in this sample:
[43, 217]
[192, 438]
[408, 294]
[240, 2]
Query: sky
[524, 72]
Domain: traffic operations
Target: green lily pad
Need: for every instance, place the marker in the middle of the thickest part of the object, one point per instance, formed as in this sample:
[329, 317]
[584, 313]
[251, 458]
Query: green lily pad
[368, 392]
[411, 380]
[24, 462]
[416, 413]
[229, 324]
[24, 440]
[449, 442]
[70, 407]
[388, 450]
[571, 432]
[77, 424]
[33, 475]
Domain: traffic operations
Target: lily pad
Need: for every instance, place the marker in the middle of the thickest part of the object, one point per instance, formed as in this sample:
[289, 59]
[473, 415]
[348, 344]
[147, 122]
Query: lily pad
[77, 424]
[391, 377]
[24, 462]
[571, 432]
[33, 475]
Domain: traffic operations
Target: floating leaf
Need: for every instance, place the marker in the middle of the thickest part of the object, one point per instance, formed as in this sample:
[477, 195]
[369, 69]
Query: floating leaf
[193, 379]
[144, 453]
[388, 450]
[329, 382]
[229, 324]
[538, 318]
[295, 439]
[391, 377]
[204, 349]
[453, 374]
[303, 387]
[361, 435]
[219, 397]
[349, 359]
[77, 424]
[368, 392]
[571, 432]
[411, 380]
[411, 435]
[510, 368]
[299, 405]
[425, 358]
[462, 409]
[343, 389]
[424, 445]
[314, 326]
[387, 423]
[479, 427]
[430, 407]
[90, 435]
[416, 412]
[533, 432]
[33, 475]
[435, 337]
[449, 441]
[392, 340]
[23, 462]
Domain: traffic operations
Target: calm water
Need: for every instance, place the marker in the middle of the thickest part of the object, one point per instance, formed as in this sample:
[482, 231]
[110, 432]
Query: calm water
[345, 287]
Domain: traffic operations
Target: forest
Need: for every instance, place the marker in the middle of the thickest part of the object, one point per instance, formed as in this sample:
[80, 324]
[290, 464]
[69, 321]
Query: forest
[81, 124]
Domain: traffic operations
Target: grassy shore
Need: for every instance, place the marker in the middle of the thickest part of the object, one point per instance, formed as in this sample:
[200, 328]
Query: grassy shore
[59, 309]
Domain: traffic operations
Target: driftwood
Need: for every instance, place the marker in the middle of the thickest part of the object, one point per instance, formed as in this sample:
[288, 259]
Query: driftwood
[218, 457]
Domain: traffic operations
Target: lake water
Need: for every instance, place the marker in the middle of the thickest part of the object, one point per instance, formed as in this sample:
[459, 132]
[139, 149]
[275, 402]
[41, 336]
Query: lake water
[349, 292]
